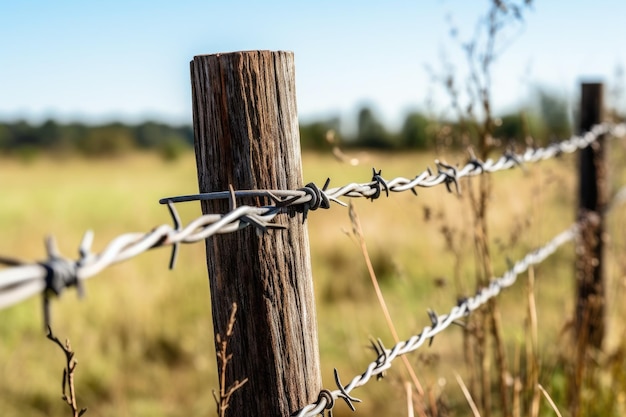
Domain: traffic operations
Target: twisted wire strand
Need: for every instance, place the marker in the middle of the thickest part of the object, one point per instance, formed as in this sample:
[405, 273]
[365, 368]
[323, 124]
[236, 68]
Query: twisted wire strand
[446, 174]
[22, 281]
[326, 399]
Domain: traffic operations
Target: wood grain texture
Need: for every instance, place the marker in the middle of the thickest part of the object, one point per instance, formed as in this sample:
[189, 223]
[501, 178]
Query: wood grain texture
[246, 135]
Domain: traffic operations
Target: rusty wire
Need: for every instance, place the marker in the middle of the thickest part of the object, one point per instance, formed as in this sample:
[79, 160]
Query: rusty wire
[464, 307]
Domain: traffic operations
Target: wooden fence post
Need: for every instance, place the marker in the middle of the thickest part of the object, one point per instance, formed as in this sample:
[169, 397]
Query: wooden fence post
[592, 202]
[593, 199]
[246, 135]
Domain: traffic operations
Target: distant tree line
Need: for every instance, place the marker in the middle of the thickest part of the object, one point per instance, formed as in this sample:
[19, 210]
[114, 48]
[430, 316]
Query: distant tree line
[549, 120]
[26, 139]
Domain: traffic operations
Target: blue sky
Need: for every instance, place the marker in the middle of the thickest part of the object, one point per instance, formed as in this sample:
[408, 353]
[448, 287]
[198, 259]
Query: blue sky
[129, 60]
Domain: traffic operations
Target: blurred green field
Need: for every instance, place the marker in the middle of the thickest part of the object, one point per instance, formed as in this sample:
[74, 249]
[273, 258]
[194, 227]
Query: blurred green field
[143, 335]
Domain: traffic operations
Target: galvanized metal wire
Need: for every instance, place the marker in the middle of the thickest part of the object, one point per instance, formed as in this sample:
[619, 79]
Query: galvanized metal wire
[326, 399]
[23, 279]
[57, 272]
[311, 197]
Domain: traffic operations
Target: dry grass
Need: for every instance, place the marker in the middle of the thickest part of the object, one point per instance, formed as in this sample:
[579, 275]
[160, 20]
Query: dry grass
[145, 335]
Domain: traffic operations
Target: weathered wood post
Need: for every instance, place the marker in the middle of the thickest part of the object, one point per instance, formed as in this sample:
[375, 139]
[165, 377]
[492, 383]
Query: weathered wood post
[246, 135]
[592, 203]
[593, 200]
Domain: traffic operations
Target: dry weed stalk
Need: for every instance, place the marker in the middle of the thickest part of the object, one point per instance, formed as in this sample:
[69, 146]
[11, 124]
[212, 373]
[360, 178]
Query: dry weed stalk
[467, 394]
[358, 233]
[532, 348]
[68, 374]
[552, 404]
[223, 358]
[341, 156]
[409, 399]
[471, 101]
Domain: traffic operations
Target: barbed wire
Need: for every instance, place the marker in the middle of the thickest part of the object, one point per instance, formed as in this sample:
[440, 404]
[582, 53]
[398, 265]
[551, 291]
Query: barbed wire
[311, 197]
[50, 277]
[326, 399]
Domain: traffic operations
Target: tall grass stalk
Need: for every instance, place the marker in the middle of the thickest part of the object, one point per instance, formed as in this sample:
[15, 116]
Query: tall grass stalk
[467, 395]
[549, 399]
[358, 232]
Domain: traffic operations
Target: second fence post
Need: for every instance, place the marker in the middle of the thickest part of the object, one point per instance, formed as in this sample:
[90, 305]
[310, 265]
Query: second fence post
[593, 199]
[246, 135]
[592, 203]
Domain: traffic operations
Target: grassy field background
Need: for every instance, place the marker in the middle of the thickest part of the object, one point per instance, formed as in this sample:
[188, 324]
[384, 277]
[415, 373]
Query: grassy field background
[143, 335]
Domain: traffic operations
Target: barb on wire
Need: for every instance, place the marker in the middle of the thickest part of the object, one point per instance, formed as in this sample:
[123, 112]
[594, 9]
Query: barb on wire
[446, 174]
[53, 275]
[438, 324]
[378, 183]
[60, 274]
[22, 279]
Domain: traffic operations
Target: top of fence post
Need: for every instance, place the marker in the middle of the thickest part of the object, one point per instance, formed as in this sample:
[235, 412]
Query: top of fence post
[246, 135]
